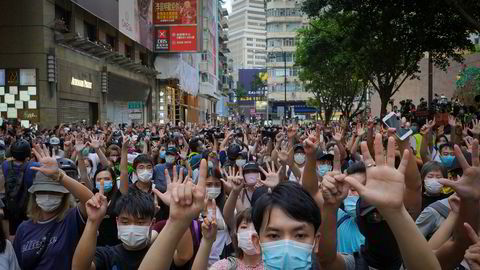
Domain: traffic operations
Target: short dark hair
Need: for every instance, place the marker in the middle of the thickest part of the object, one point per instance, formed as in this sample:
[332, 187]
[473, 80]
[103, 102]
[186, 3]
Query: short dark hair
[135, 203]
[143, 158]
[448, 144]
[292, 199]
[432, 166]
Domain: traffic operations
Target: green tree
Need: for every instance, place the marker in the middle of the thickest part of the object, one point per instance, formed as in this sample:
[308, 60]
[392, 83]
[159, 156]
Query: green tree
[387, 38]
[328, 69]
[469, 10]
[258, 85]
[240, 91]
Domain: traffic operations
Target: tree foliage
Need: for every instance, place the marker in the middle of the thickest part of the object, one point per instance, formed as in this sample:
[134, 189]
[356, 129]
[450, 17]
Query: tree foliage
[387, 38]
[328, 70]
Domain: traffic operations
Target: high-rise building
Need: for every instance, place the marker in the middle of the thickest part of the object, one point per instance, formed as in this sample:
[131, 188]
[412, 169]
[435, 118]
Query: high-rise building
[284, 18]
[247, 35]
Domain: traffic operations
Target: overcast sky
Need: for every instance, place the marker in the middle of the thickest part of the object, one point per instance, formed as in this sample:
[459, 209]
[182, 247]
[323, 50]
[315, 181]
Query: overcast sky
[228, 5]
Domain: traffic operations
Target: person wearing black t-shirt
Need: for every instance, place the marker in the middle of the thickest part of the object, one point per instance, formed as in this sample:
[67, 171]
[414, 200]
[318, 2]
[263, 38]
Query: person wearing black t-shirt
[135, 217]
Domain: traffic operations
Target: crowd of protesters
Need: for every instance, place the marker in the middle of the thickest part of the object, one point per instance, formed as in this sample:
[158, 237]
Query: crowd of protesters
[339, 196]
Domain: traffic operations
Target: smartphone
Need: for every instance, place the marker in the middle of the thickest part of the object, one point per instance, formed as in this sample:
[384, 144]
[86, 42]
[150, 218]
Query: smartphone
[391, 120]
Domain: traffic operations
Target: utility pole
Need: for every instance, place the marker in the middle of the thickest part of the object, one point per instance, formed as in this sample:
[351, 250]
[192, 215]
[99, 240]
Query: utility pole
[430, 80]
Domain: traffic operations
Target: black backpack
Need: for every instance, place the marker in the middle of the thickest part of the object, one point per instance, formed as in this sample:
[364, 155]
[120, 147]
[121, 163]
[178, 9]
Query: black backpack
[16, 195]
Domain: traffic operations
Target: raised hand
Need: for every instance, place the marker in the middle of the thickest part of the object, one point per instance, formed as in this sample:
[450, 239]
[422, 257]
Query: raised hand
[310, 145]
[209, 225]
[171, 184]
[338, 135]
[184, 151]
[187, 199]
[272, 177]
[234, 179]
[454, 202]
[334, 191]
[79, 143]
[126, 140]
[360, 129]
[468, 187]
[472, 254]
[97, 206]
[384, 185]
[476, 127]
[452, 121]
[291, 131]
[49, 163]
[94, 142]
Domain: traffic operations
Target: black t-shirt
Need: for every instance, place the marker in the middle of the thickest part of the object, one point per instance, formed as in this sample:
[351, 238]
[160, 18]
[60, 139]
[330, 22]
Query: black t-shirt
[118, 258]
[108, 235]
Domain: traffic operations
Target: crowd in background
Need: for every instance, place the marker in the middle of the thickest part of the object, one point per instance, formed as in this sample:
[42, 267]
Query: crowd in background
[344, 195]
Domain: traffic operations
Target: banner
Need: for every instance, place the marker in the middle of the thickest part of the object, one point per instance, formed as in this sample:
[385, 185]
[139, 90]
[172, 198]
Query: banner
[174, 12]
[135, 21]
[175, 38]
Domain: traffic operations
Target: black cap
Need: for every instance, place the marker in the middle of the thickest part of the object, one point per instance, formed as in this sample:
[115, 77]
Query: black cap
[324, 155]
[298, 147]
[21, 149]
[233, 151]
[250, 167]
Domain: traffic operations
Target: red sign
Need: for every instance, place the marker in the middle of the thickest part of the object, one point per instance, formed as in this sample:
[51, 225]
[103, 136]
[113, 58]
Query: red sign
[175, 38]
[175, 12]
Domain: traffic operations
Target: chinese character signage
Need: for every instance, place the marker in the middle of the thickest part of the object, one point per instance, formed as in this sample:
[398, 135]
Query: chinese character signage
[175, 12]
[176, 25]
[176, 38]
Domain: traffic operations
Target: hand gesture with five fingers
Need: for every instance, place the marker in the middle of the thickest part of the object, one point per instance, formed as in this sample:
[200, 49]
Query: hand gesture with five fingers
[209, 225]
[384, 185]
[475, 127]
[188, 199]
[338, 135]
[94, 141]
[79, 143]
[310, 145]
[452, 121]
[472, 254]
[234, 179]
[272, 177]
[97, 205]
[171, 184]
[468, 187]
[49, 163]
[360, 129]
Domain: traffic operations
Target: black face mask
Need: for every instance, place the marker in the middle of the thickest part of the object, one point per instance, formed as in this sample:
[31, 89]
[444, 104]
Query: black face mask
[380, 250]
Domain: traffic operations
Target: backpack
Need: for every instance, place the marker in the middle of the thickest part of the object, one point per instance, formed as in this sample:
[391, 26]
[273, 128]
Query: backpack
[15, 186]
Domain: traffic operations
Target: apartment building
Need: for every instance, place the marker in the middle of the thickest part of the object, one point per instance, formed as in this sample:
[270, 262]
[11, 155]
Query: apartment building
[284, 18]
[247, 35]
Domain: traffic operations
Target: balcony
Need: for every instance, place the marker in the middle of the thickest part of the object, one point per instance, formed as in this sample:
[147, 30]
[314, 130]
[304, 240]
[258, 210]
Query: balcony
[224, 22]
[103, 51]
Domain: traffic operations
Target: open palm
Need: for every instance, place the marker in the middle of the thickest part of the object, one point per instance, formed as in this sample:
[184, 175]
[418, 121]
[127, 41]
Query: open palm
[384, 185]
[272, 177]
[49, 164]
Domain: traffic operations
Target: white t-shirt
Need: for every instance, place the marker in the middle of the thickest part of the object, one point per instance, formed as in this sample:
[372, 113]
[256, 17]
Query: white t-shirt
[8, 259]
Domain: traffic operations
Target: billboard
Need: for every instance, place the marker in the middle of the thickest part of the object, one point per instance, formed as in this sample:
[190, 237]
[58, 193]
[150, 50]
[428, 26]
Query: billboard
[135, 20]
[176, 26]
[174, 12]
[175, 38]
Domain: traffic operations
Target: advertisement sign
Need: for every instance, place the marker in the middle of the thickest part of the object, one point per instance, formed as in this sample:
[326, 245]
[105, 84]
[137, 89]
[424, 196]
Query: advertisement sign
[135, 20]
[175, 25]
[175, 38]
[174, 12]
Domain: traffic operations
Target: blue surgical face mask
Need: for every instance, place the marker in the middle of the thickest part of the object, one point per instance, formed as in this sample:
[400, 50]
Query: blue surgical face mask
[162, 154]
[323, 169]
[287, 254]
[447, 161]
[350, 204]
[107, 185]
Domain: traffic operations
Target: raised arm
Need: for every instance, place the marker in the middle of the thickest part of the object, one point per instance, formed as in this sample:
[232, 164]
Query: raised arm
[384, 188]
[187, 200]
[124, 165]
[446, 229]
[84, 256]
[96, 143]
[229, 208]
[209, 233]
[309, 178]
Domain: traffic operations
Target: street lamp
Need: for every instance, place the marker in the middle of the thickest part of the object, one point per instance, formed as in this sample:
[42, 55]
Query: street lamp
[285, 108]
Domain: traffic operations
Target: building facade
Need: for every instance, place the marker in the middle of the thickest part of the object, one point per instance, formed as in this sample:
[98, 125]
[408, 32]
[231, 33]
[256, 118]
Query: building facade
[284, 18]
[247, 35]
[71, 61]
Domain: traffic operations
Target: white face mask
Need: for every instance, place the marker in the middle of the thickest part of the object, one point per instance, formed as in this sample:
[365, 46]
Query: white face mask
[48, 202]
[134, 236]
[240, 162]
[432, 186]
[251, 178]
[299, 158]
[144, 175]
[244, 238]
[213, 192]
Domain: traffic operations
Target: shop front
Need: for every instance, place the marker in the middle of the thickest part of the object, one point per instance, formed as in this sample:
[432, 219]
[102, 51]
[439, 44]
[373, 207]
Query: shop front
[128, 100]
[79, 93]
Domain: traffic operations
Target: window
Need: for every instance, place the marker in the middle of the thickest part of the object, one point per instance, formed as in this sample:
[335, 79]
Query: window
[249, 56]
[249, 62]
[249, 39]
[292, 27]
[144, 58]
[90, 31]
[288, 42]
[111, 41]
[129, 51]
[204, 56]
[62, 19]
[250, 44]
